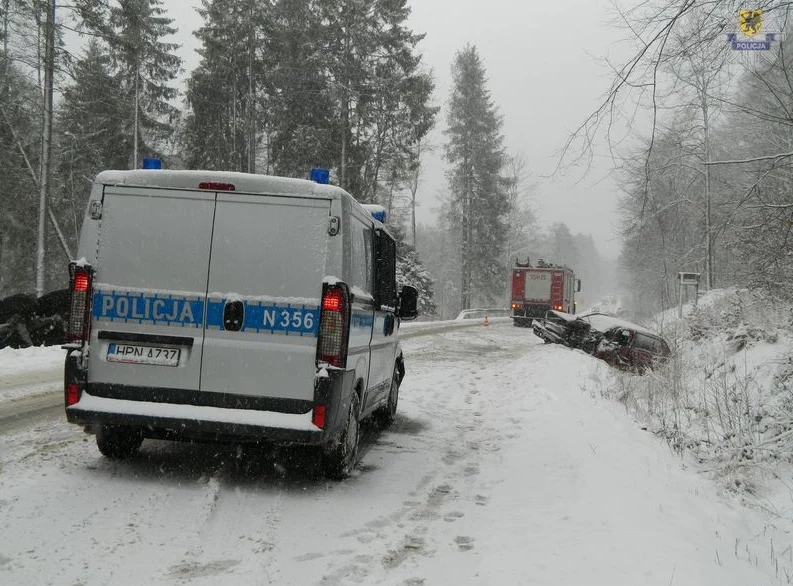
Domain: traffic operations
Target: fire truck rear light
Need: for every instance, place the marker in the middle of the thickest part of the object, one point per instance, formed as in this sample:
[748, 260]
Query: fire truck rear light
[72, 394]
[318, 418]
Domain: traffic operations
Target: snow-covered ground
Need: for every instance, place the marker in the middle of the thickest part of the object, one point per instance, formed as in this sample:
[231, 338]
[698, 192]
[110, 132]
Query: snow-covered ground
[506, 465]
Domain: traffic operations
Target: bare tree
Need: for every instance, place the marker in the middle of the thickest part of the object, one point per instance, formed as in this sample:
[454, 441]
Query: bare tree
[687, 39]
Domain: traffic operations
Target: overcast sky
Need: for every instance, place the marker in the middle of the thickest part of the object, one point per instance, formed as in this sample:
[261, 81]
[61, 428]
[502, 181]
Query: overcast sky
[544, 76]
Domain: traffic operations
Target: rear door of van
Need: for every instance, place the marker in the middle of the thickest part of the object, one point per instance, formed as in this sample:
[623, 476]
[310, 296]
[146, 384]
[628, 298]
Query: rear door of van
[149, 288]
[267, 263]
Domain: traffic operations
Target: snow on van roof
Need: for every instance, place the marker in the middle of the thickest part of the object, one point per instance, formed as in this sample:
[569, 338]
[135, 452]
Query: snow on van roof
[243, 182]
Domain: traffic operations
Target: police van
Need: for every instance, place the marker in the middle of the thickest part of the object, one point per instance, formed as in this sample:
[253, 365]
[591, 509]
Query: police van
[231, 307]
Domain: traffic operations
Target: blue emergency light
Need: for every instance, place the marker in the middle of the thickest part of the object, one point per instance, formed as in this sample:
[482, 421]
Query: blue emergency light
[320, 175]
[152, 163]
[378, 212]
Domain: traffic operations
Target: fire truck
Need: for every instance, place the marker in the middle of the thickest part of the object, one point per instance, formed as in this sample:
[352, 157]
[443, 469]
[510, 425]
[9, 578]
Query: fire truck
[541, 288]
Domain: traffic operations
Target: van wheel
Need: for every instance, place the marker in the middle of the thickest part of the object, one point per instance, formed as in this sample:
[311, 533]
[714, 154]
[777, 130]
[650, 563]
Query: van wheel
[386, 414]
[339, 462]
[118, 443]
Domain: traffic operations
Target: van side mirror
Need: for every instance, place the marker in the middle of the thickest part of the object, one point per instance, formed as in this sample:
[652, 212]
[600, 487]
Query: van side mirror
[408, 303]
[578, 285]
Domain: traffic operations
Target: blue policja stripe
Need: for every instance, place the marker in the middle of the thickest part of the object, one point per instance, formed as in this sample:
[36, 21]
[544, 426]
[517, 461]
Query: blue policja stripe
[272, 318]
[153, 309]
[299, 320]
[179, 311]
[215, 314]
[362, 320]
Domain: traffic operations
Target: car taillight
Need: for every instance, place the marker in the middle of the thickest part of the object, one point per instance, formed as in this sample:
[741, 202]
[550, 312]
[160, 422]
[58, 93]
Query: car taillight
[81, 277]
[334, 324]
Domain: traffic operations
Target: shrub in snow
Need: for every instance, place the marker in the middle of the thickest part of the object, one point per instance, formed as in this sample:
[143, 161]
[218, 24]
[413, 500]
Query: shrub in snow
[726, 395]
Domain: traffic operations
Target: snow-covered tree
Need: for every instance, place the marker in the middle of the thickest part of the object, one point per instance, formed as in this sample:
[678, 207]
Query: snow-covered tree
[411, 271]
[19, 138]
[479, 191]
[145, 66]
[224, 125]
[90, 135]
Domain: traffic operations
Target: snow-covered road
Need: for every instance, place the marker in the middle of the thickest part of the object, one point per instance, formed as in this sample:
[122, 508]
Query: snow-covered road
[504, 467]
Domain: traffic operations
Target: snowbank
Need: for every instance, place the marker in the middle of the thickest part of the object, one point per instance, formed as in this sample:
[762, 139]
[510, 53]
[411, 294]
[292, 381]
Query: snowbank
[725, 397]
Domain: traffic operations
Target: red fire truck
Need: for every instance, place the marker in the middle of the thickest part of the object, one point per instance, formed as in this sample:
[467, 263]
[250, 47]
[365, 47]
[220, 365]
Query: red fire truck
[538, 289]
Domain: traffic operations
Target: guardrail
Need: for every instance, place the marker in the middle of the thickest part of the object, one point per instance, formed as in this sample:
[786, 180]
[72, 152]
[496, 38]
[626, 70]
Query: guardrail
[413, 329]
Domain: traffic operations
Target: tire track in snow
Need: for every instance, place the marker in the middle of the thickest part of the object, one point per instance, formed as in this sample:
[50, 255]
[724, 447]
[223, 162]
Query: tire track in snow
[461, 434]
[236, 534]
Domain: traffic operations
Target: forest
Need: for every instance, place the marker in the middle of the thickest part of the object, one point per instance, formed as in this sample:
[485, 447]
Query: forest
[286, 85]
[706, 177]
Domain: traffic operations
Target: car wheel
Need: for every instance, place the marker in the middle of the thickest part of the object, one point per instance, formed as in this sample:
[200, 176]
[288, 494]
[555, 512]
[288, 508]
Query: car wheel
[118, 443]
[386, 414]
[339, 461]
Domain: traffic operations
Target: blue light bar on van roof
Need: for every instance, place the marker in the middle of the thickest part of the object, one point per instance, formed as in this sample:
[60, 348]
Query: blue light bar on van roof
[320, 176]
[378, 212]
[152, 163]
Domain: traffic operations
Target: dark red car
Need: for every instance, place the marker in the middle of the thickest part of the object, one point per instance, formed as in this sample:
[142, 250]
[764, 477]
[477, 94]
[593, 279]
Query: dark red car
[632, 348]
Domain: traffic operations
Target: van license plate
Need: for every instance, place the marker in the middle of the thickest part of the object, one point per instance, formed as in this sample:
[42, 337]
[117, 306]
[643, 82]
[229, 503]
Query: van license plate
[134, 354]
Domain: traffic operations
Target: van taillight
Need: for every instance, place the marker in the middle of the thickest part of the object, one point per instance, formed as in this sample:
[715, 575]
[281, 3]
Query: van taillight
[81, 277]
[72, 394]
[334, 323]
[318, 416]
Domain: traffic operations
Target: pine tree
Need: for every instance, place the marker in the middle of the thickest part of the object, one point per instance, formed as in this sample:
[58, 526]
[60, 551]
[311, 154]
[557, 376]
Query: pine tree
[224, 94]
[479, 199]
[145, 65]
[90, 132]
[411, 271]
[380, 94]
[301, 110]
[22, 257]
[19, 140]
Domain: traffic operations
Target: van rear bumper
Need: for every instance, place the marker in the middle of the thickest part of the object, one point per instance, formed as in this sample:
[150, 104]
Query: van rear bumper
[189, 421]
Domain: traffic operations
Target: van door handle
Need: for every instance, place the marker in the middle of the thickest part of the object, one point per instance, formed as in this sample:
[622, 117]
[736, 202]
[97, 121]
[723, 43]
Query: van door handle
[233, 316]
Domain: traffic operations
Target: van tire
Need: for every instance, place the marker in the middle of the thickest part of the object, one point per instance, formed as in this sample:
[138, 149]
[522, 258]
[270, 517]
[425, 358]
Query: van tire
[385, 415]
[118, 443]
[339, 462]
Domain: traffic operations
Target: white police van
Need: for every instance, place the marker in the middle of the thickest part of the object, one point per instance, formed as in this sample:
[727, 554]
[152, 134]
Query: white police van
[231, 307]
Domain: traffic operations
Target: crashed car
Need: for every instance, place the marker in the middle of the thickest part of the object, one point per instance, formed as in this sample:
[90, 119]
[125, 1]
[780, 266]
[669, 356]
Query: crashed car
[620, 343]
[632, 348]
[569, 330]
